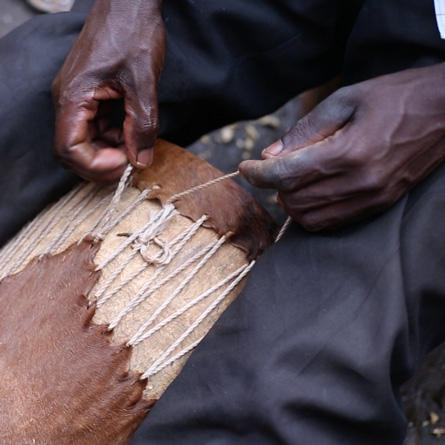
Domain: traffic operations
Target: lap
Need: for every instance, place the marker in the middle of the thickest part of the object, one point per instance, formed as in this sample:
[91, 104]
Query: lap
[318, 343]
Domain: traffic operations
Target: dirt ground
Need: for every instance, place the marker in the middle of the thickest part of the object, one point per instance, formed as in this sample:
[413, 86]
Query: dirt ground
[424, 395]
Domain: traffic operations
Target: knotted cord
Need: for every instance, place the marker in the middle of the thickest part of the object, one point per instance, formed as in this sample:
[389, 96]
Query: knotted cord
[80, 206]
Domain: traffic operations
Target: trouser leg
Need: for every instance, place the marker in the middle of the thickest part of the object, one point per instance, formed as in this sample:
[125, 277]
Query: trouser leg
[30, 57]
[315, 348]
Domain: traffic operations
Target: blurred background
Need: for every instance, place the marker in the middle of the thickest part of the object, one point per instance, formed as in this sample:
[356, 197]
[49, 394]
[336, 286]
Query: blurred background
[13, 13]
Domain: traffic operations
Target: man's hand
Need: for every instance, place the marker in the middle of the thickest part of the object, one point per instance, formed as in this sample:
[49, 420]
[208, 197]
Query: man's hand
[119, 55]
[359, 151]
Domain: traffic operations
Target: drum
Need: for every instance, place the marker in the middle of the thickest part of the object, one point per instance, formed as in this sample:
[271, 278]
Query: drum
[106, 293]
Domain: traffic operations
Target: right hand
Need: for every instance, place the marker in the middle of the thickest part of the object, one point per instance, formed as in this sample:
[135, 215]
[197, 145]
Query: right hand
[359, 151]
[119, 55]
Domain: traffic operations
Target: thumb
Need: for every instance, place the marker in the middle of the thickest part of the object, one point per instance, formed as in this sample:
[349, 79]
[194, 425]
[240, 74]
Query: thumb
[323, 121]
[141, 126]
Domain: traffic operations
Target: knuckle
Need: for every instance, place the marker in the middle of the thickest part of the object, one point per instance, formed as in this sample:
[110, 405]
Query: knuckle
[125, 80]
[325, 219]
[298, 212]
[349, 159]
[150, 124]
[69, 155]
[297, 133]
[346, 99]
[147, 127]
[63, 153]
[55, 87]
[345, 93]
[285, 181]
[352, 157]
[311, 223]
[372, 180]
[145, 117]
[62, 99]
[342, 92]
[383, 201]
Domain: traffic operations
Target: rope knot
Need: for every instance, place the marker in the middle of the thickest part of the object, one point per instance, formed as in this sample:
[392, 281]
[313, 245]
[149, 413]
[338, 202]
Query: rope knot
[163, 256]
[157, 222]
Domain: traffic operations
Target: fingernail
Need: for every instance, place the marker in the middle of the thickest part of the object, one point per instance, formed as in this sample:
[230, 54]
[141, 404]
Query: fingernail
[145, 157]
[274, 149]
[124, 160]
[243, 165]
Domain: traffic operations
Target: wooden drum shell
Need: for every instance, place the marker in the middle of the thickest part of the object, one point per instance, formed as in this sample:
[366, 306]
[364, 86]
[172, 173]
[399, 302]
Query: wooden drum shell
[166, 272]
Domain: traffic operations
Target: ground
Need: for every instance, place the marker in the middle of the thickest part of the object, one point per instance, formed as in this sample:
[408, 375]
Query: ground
[424, 396]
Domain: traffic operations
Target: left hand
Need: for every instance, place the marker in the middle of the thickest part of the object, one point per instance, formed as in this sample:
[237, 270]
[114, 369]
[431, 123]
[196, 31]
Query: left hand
[119, 54]
[359, 151]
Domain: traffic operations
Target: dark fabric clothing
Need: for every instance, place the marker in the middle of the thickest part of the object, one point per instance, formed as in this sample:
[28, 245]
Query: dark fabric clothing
[325, 331]
[30, 177]
[329, 325]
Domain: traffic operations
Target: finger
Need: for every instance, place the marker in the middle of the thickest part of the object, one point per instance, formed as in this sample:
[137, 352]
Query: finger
[108, 177]
[91, 164]
[280, 173]
[335, 155]
[323, 121]
[112, 137]
[335, 215]
[98, 127]
[141, 124]
[73, 145]
[291, 172]
[320, 194]
[73, 123]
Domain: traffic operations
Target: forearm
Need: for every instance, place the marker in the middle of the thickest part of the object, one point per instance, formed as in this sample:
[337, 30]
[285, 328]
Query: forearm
[121, 19]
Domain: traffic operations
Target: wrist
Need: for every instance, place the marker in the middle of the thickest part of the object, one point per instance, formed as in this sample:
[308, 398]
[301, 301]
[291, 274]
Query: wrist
[137, 7]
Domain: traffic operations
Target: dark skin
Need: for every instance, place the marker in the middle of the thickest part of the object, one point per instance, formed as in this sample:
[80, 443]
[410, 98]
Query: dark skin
[359, 151]
[353, 156]
[119, 55]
